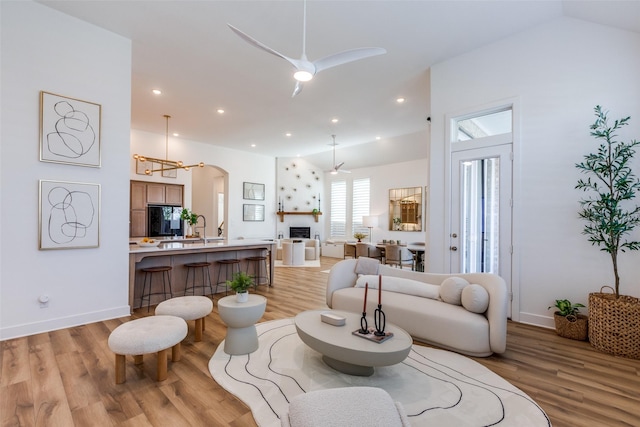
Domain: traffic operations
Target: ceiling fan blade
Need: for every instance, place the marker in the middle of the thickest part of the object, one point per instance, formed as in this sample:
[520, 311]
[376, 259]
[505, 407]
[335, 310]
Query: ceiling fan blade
[297, 89]
[343, 171]
[346, 57]
[338, 166]
[262, 46]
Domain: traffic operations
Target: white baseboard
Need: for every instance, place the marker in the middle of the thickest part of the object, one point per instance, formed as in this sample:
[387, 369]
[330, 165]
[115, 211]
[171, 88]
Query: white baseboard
[62, 322]
[537, 320]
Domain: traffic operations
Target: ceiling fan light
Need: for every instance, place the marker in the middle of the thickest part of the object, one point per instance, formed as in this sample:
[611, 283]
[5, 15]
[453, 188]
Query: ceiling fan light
[334, 172]
[302, 76]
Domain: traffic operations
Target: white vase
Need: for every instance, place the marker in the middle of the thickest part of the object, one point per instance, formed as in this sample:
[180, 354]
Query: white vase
[242, 296]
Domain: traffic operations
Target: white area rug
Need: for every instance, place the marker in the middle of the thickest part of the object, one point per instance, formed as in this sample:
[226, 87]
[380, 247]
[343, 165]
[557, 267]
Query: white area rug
[436, 387]
[307, 263]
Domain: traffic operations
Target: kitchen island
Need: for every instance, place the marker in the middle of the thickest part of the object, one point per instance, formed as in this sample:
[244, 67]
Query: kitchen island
[178, 253]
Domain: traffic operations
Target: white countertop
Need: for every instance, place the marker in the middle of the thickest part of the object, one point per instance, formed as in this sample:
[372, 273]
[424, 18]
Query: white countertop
[191, 244]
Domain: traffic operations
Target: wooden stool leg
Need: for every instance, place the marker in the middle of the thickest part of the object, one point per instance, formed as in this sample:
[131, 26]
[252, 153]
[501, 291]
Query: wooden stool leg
[199, 328]
[203, 322]
[121, 375]
[137, 359]
[176, 355]
[162, 365]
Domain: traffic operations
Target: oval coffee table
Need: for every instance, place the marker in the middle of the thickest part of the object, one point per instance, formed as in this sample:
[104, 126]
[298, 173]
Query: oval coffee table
[348, 353]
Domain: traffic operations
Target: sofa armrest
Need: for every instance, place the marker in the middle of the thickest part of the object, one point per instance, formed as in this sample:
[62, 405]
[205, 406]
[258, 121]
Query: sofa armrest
[342, 275]
[498, 307]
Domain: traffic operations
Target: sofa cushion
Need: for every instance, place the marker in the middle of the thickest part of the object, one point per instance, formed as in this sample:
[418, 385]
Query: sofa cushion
[366, 265]
[451, 290]
[475, 298]
[400, 285]
[448, 326]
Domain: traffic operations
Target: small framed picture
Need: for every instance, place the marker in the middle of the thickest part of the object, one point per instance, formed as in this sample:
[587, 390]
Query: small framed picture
[253, 213]
[69, 130]
[69, 215]
[253, 191]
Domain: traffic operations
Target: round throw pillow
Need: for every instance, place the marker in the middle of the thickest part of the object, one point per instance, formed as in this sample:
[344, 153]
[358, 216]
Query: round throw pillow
[451, 290]
[475, 299]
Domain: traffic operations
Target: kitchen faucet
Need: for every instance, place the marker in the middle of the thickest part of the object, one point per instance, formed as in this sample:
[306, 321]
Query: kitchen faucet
[204, 227]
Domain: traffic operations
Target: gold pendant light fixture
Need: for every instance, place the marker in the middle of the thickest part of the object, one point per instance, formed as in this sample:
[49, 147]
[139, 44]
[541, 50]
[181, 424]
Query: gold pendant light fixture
[166, 164]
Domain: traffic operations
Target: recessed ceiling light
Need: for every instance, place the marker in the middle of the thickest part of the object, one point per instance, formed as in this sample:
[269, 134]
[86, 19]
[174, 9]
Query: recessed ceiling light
[176, 134]
[378, 138]
[335, 120]
[400, 100]
[157, 91]
[253, 145]
[287, 134]
[220, 111]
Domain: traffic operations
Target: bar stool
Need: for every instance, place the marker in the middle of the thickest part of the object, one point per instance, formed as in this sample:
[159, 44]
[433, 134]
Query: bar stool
[256, 262]
[166, 278]
[192, 268]
[231, 266]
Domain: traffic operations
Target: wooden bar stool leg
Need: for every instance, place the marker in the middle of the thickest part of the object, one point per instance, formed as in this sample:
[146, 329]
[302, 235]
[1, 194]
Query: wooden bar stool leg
[162, 365]
[199, 330]
[121, 373]
[176, 353]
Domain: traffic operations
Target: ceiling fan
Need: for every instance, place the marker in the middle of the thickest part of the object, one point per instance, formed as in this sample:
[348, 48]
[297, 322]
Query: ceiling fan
[336, 166]
[305, 69]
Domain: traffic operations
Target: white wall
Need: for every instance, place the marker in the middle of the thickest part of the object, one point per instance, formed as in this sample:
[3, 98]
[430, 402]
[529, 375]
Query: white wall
[300, 188]
[45, 50]
[241, 167]
[383, 178]
[558, 72]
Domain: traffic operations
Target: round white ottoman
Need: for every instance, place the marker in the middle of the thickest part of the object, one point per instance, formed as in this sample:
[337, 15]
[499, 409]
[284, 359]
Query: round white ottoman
[147, 335]
[188, 308]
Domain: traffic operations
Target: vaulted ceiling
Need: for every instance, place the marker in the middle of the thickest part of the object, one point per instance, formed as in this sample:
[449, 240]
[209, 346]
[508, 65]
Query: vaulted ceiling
[185, 49]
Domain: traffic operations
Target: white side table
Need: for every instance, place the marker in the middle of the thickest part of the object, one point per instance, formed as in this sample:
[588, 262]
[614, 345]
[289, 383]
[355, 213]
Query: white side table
[240, 318]
[293, 253]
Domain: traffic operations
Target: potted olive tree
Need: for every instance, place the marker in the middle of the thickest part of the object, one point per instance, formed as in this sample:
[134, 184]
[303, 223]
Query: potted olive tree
[569, 322]
[240, 284]
[611, 215]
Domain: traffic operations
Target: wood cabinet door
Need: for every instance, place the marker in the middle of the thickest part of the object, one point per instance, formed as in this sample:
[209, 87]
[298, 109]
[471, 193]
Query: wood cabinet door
[138, 195]
[155, 193]
[138, 223]
[173, 194]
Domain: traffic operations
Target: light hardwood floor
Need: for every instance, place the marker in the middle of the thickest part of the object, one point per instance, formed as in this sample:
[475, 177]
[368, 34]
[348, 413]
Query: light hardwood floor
[66, 377]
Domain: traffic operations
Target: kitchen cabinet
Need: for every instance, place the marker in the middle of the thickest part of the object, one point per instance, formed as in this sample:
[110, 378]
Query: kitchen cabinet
[150, 193]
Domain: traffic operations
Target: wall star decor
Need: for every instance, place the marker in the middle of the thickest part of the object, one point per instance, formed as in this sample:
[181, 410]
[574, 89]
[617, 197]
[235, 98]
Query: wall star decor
[69, 130]
[69, 215]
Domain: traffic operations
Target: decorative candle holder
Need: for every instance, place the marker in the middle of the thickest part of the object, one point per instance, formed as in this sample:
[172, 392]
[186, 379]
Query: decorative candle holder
[380, 321]
[364, 326]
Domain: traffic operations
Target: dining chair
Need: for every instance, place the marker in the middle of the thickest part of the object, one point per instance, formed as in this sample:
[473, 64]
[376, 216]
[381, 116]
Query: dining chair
[398, 255]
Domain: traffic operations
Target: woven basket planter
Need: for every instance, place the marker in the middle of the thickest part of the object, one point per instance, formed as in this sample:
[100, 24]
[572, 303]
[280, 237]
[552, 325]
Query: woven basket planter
[573, 327]
[614, 324]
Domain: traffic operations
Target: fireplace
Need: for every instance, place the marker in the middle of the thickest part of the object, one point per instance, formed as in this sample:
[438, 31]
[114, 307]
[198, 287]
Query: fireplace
[300, 232]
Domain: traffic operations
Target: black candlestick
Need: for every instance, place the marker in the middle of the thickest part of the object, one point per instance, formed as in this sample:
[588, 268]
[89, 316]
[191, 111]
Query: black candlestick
[380, 321]
[364, 327]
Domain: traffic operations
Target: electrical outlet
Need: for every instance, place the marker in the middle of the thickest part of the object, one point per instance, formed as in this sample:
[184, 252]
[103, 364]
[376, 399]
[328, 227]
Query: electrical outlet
[44, 301]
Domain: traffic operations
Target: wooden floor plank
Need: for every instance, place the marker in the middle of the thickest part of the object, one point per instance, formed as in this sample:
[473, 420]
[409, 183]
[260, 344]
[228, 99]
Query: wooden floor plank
[66, 377]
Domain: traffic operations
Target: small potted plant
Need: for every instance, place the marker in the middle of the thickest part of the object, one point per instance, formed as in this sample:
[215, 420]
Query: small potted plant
[359, 236]
[397, 223]
[240, 284]
[191, 218]
[569, 323]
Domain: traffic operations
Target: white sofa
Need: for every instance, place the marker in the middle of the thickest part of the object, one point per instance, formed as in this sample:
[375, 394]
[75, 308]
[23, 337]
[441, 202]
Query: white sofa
[311, 248]
[432, 321]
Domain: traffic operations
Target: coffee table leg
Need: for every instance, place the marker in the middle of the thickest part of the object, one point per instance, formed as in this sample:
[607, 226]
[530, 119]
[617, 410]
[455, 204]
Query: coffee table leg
[348, 368]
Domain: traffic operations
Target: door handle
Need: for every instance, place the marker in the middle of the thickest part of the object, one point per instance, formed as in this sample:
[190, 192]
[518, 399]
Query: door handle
[453, 248]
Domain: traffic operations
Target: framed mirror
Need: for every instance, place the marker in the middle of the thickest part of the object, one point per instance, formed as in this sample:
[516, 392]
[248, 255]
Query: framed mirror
[405, 209]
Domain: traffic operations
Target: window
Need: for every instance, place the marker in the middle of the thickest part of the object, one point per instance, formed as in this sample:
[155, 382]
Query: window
[360, 205]
[338, 220]
[487, 124]
[353, 204]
